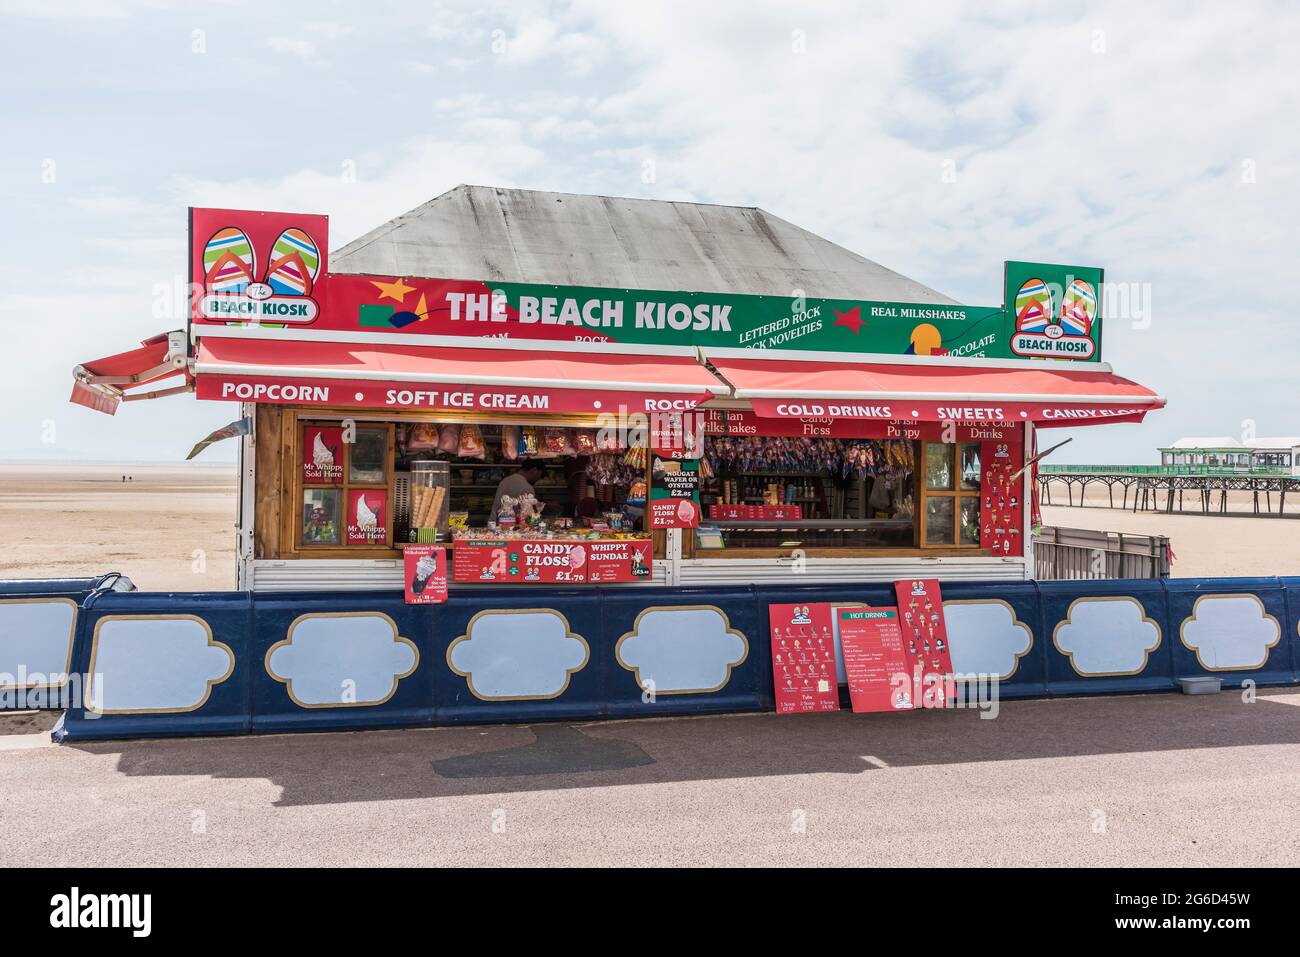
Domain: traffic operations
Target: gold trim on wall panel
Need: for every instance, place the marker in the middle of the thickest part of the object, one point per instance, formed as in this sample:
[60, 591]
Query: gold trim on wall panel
[727, 628]
[72, 631]
[568, 633]
[94, 654]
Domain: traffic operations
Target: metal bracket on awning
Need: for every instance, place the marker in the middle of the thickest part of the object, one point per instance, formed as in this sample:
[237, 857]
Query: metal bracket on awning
[176, 359]
[105, 392]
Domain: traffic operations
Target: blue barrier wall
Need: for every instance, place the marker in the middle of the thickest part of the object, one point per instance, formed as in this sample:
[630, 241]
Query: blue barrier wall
[38, 624]
[226, 663]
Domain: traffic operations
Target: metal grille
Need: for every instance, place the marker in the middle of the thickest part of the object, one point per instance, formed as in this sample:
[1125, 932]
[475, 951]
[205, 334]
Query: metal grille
[1082, 553]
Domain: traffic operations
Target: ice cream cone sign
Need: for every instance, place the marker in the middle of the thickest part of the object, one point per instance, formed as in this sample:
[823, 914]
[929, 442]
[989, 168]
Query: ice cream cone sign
[366, 518]
[321, 455]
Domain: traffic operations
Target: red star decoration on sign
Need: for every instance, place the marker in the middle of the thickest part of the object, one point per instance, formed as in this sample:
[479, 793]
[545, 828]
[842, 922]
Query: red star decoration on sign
[851, 319]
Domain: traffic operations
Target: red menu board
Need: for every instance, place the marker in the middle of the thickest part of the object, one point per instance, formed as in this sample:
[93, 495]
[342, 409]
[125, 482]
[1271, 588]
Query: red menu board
[803, 658]
[623, 560]
[920, 609]
[674, 500]
[548, 561]
[876, 660]
[367, 518]
[322, 455]
[1001, 508]
[425, 577]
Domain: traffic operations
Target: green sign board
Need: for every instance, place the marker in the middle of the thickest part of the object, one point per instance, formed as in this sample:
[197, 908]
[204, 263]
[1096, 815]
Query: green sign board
[1050, 312]
[1054, 311]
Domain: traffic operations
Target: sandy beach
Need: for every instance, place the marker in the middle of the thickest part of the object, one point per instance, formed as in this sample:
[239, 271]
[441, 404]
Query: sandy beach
[172, 527]
[1204, 545]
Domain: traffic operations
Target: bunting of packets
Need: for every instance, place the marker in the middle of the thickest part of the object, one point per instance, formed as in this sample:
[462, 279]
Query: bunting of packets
[802, 454]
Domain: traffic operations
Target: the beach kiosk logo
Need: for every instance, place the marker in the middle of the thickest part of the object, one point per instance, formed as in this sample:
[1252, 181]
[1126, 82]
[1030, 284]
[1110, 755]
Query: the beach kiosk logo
[1055, 310]
[256, 267]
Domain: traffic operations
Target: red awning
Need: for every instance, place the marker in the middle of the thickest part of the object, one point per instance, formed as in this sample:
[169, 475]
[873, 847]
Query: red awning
[102, 384]
[492, 375]
[1047, 395]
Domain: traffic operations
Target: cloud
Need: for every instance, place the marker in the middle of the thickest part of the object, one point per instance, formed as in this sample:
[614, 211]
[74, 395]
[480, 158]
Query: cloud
[302, 49]
[1106, 636]
[154, 664]
[36, 641]
[1157, 153]
[511, 655]
[1230, 632]
[682, 649]
[342, 660]
[985, 637]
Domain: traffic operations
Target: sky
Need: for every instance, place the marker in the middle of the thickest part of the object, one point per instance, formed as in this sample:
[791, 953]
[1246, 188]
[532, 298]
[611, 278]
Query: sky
[1159, 141]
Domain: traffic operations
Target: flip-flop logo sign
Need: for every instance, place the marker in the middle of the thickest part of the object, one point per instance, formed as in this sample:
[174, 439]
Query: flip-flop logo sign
[1042, 329]
[232, 291]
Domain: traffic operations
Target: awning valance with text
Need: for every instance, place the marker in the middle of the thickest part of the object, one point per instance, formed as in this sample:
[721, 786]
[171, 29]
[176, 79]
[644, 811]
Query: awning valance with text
[479, 375]
[1047, 394]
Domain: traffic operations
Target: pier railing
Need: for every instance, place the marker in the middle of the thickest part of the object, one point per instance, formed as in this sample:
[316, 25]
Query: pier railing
[1213, 471]
[1082, 553]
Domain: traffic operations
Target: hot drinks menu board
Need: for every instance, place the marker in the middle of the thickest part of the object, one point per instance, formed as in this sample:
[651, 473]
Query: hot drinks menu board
[920, 609]
[803, 658]
[876, 660]
[1001, 509]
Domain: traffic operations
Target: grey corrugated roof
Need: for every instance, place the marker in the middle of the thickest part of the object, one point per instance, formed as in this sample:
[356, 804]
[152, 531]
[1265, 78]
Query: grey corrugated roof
[523, 235]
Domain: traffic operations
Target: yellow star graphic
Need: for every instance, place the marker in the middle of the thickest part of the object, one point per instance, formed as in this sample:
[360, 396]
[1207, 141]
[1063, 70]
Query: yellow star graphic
[392, 290]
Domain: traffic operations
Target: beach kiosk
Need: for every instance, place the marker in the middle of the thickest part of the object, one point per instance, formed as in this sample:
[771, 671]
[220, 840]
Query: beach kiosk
[614, 416]
[823, 404]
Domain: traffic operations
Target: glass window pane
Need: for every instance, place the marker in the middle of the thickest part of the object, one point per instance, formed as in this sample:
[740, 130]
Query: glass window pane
[938, 521]
[368, 457]
[970, 466]
[320, 516]
[938, 466]
[970, 520]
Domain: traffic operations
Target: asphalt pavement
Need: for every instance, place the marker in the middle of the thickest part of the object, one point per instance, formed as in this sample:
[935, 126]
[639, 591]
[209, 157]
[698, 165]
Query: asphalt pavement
[1140, 780]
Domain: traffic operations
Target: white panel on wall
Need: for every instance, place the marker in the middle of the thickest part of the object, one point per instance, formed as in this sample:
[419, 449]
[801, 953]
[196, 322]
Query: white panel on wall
[682, 650]
[1230, 632]
[154, 664]
[36, 641]
[772, 571]
[985, 637]
[1107, 636]
[518, 654]
[341, 659]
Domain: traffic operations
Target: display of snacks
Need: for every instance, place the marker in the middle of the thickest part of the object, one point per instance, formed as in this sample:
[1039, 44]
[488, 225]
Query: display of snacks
[430, 500]
[787, 454]
[757, 512]
[471, 442]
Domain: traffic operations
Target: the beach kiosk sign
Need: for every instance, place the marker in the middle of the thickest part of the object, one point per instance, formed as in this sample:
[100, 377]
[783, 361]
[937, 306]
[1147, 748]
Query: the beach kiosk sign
[1055, 310]
[253, 267]
[269, 270]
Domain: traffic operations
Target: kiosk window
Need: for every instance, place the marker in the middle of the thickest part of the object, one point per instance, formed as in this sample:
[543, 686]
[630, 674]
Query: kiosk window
[344, 481]
[777, 493]
[951, 490]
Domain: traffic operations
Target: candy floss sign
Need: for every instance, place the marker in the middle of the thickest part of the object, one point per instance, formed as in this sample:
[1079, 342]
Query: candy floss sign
[255, 267]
